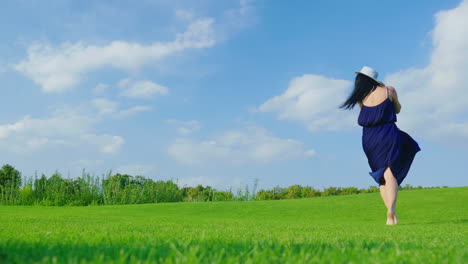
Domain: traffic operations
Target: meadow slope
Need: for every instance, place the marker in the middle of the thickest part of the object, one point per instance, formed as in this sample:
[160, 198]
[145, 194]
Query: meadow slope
[335, 229]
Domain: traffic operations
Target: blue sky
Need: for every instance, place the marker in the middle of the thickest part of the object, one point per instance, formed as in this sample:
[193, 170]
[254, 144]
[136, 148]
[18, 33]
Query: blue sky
[221, 92]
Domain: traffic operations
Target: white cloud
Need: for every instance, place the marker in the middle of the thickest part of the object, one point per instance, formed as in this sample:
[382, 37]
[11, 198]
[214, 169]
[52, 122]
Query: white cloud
[314, 100]
[310, 152]
[252, 144]
[135, 169]
[68, 124]
[105, 143]
[141, 89]
[104, 106]
[133, 110]
[65, 127]
[57, 69]
[100, 88]
[86, 163]
[37, 142]
[434, 98]
[186, 127]
[184, 14]
[237, 18]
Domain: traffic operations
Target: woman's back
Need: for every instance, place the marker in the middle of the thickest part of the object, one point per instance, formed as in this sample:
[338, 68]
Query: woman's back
[383, 142]
[381, 112]
[379, 95]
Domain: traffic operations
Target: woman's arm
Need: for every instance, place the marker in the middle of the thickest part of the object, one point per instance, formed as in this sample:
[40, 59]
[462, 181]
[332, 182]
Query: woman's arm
[394, 97]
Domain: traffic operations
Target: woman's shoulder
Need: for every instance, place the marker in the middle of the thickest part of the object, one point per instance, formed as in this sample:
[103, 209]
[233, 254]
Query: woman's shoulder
[381, 90]
[391, 89]
[392, 93]
[383, 87]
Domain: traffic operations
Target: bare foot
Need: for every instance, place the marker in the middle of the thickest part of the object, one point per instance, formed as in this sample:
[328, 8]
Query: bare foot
[391, 218]
[395, 219]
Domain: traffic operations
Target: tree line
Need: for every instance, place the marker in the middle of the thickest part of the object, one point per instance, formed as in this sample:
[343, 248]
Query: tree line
[127, 189]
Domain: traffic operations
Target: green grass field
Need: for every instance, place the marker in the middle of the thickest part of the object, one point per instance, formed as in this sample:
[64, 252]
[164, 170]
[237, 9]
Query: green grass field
[335, 229]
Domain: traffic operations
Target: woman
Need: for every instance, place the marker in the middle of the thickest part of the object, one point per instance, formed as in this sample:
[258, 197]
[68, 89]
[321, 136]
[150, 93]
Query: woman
[389, 150]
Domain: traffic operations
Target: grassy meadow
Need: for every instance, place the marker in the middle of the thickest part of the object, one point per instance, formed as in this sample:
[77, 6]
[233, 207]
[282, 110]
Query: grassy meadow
[334, 229]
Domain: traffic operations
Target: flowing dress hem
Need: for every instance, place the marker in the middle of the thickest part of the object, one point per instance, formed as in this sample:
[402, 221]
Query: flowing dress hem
[400, 176]
[378, 174]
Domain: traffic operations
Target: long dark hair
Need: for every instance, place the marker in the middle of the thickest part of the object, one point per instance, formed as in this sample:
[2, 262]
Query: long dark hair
[363, 85]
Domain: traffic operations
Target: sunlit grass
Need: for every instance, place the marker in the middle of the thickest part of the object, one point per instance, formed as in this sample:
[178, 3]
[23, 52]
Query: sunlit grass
[335, 229]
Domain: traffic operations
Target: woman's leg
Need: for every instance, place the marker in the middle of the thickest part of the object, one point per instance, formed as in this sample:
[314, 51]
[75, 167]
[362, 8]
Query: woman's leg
[391, 191]
[383, 193]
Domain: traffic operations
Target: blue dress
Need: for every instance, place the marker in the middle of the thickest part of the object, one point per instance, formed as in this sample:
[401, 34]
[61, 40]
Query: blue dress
[384, 143]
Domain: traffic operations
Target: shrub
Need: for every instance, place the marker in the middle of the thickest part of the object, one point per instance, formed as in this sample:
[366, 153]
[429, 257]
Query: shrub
[127, 189]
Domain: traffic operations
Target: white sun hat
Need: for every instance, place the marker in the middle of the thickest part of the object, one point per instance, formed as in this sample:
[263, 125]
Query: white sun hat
[369, 72]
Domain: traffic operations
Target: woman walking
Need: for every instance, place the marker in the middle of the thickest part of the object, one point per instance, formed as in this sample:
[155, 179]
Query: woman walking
[390, 151]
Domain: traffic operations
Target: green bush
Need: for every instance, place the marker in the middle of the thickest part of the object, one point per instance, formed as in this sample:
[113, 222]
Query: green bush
[10, 181]
[127, 189]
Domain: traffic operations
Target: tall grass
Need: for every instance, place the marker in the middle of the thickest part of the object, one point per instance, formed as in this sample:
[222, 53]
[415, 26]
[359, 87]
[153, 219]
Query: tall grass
[111, 189]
